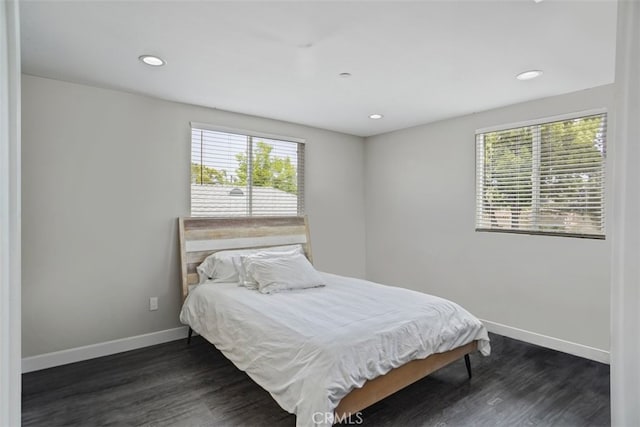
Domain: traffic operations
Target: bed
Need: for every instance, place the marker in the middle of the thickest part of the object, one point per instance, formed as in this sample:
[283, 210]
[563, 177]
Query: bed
[322, 353]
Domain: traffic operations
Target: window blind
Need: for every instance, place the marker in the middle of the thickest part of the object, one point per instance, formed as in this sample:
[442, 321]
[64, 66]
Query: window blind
[236, 174]
[545, 178]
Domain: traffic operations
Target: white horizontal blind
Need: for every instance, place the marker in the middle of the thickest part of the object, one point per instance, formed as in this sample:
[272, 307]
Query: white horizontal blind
[243, 175]
[547, 178]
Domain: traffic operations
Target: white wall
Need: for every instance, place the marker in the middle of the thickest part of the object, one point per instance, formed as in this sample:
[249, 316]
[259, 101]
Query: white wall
[420, 191]
[106, 174]
[10, 379]
[625, 278]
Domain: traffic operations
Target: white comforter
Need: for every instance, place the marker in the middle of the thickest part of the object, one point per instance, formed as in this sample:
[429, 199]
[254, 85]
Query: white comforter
[310, 348]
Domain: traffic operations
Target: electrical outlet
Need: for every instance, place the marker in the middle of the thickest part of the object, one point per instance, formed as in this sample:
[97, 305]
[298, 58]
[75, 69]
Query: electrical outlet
[153, 303]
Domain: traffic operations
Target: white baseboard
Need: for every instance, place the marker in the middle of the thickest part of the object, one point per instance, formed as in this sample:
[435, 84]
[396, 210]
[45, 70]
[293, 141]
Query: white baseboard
[63, 357]
[72, 355]
[576, 349]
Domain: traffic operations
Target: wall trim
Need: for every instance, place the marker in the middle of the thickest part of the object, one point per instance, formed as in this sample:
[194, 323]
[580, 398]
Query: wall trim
[78, 354]
[576, 349]
[10, 214]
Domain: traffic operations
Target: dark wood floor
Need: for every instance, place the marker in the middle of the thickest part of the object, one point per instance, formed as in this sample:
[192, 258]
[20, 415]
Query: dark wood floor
[175, 385]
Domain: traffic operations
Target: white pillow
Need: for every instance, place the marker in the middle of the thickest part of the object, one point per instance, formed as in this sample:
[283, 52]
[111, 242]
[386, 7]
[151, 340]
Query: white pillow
[276, 274]
[220, 268]
[245, 278]
[237, 264]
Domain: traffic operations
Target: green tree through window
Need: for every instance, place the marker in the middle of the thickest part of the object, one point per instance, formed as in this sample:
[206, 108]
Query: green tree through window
[545, 178]
[267, 170]
[240, 174]
[205, 175]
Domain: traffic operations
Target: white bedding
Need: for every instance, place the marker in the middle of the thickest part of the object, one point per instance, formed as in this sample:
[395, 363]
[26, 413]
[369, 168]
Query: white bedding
[310, 348]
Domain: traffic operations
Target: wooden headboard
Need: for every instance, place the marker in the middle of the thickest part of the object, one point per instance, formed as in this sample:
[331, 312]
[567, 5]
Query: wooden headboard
[202, 236]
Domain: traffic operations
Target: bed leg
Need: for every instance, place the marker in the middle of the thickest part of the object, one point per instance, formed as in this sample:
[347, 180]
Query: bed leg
[191, 333]
[467, 362]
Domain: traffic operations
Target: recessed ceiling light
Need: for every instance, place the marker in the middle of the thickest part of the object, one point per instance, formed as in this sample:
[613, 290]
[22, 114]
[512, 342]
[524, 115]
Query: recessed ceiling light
[344, 75]
[376, 116]
[537, 1]
[528, 75]
[154, 61]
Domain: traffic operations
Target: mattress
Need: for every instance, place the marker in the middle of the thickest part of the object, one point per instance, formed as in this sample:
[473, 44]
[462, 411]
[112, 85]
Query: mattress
[310, 348]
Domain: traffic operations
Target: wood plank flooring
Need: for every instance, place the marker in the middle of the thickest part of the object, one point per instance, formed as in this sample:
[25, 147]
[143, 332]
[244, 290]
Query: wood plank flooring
[174, 384]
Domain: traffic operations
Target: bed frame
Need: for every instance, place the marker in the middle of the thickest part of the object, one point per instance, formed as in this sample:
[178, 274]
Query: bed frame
[202, 236]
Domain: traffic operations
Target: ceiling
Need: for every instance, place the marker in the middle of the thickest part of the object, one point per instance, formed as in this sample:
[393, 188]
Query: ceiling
[414, 62]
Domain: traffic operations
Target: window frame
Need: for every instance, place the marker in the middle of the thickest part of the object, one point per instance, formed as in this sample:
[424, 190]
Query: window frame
[250, 134]
[536, 171]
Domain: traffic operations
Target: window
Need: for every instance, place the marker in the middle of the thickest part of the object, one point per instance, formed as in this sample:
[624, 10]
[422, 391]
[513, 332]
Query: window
[240, 173]
[543, 178]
